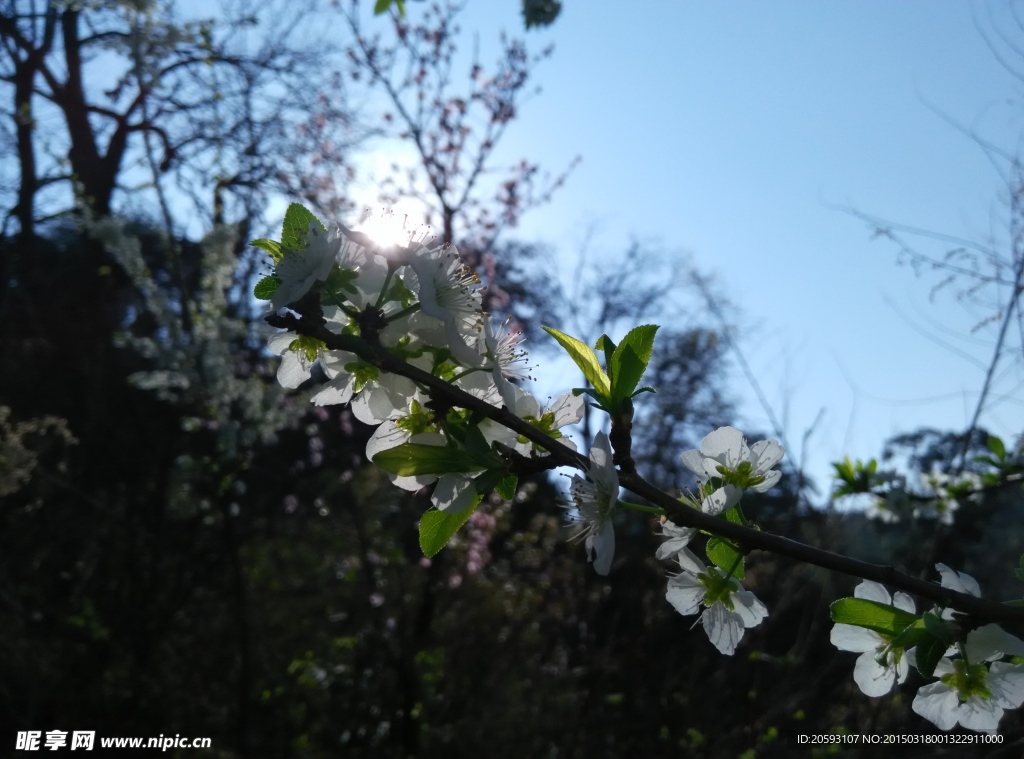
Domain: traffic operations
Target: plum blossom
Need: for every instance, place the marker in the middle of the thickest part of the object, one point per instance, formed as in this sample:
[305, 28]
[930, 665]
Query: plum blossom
[595, 498]
[729, 608]
[566, 409]
[678, 539]
[449, 290]
[370, 271]
[509, 360]
[972, 695]
[454, 492]
[725, 459]
[298, 355]
[879, 666]
[298, 270]
[970, 691]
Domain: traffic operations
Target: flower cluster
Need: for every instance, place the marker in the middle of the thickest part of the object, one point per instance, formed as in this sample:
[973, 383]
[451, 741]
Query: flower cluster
[974, 684]
[421, 303]
[725, 467]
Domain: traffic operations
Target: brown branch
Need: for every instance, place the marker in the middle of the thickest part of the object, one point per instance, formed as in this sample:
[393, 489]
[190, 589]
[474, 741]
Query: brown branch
[748, 538]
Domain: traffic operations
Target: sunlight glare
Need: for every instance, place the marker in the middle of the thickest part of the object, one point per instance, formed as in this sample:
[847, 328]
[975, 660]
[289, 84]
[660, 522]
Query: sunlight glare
[388, 227]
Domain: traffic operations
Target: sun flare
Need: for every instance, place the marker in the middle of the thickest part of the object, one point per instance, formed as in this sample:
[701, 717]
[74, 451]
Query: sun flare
[388, 227]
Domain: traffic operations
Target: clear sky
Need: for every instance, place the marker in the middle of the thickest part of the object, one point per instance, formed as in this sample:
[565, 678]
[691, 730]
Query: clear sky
[732, 131]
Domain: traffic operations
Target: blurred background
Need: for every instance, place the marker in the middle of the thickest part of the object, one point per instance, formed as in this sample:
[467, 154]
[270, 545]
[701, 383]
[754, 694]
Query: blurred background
[187, 548]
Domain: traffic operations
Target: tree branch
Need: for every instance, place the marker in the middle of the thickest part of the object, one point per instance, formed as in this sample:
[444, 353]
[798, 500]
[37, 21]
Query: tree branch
[748, 538]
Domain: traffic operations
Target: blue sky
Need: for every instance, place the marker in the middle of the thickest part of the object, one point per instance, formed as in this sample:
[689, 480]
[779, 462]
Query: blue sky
[731, 131]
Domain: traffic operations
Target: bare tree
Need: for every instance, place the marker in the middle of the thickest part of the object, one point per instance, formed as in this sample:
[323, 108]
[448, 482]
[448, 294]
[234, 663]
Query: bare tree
[454, 132]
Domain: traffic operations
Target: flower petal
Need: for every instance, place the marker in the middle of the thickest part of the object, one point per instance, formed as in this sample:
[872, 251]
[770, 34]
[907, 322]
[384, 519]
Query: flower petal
[749, 608]
[724, 628]
[294, 369]
[904, 602]
[696, 463]
[600, 546]
[1006, 683]
[937, 703]
[958, 581]
[689, 562]
[454, 493]
[725, 445]
[979, 714]
[765, 454]
[685, 593]
[856, 639]
[721, 500]
[992, 642]
[872, 678]
[872, 591]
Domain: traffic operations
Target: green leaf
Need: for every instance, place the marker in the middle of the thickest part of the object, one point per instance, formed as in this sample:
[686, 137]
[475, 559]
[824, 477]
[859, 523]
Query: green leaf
[585, 359]
[724, 555]
[882, 618]
[629, 362]
[412, 459]
[480, 450]
[272, 247]
[296, 225]
[437, 528]
[606, 346]
[507, 487]
[997, 447]
[488, 481]
[266, 288]
[928, 653]
[383, 6]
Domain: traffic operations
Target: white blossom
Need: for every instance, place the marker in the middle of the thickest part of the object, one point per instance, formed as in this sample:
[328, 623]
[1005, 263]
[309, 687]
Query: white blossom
[296, 362]
[730, 609]
[449, 290]
[721, 455]
[678, 539]
[298, 270]
[595, 498]
[879, 666]
[974, 696]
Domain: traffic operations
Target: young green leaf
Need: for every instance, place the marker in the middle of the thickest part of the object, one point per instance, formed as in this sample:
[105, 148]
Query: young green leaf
[480, 450]
[506, 488]
[271, 247]
[585, 359]
[724, 555]
[296, 225]
[606, 346]
[437, 528]
[928, 652]
[265, 288]
[997, 447]
[412, 459]
[487, 481]
[629, 362]
[882, 618]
